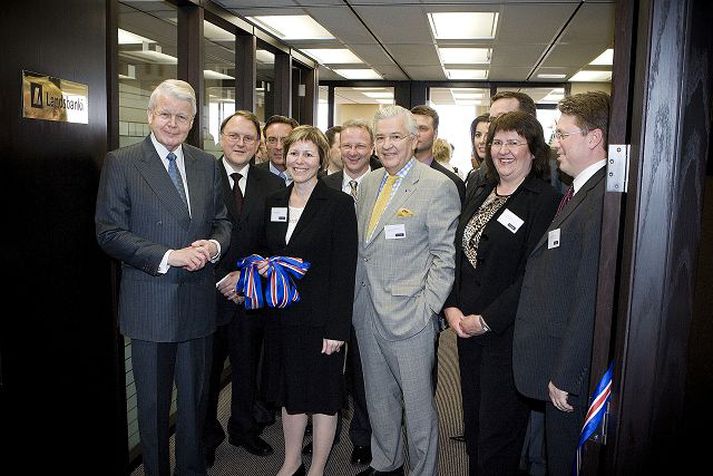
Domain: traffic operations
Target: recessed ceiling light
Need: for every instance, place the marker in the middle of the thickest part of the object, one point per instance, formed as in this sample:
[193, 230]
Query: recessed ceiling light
[463, 25]
[591, 76]
[458, 95]
[333, 56]
[358, 73]
[604, 59]
[210, 74]
[292, 27]
[379, 95]
[264, 57]
[468, 102]
[465, 55]
[551, 76]
[467, 73]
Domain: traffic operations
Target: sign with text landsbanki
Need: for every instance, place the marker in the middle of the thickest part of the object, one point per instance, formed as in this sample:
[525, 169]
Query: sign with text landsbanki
[54, 99]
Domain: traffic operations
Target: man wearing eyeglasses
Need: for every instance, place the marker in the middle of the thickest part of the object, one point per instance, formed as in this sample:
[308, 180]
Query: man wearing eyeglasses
[160, 211]
[276, 130]
[407, 214]
[555, 318]
[241, 333]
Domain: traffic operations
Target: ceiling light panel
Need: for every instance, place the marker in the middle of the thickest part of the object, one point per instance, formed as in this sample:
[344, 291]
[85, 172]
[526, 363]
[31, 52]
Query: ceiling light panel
[333, 56]
[128, 38]
[467, 73]
[465, 55]
[358, 73]
[463, 25]
[604, 59]
[591, 76]
[292, 27]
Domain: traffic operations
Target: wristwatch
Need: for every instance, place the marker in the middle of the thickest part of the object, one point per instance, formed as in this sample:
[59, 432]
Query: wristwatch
[483, 324]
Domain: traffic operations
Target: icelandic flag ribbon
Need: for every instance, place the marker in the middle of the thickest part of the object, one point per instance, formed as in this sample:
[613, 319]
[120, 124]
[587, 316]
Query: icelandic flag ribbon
[595, 414]
[281, 291]
[249, 283]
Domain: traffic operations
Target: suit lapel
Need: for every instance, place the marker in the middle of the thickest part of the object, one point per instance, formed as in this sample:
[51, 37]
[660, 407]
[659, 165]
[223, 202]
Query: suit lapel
[312, 207]
[154, 172]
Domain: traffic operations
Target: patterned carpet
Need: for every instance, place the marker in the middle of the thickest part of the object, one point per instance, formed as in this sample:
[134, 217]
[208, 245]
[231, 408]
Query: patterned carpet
[232, 461]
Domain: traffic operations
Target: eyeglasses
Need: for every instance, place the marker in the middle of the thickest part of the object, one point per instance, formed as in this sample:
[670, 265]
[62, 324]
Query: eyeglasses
[361, 148]
[234, 138]
[511, 143]
[181, 119]
[559, 135]
[394, 138]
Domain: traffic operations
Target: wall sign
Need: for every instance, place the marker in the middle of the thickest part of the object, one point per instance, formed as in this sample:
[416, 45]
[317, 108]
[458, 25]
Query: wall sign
[54, 99]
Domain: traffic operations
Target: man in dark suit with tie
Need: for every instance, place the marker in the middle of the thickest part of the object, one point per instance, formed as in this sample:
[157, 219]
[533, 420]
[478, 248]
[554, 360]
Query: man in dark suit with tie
[427, 120]
[555, 317]
[160, 211]
[356, 143]
[240, 334]
[276, 130]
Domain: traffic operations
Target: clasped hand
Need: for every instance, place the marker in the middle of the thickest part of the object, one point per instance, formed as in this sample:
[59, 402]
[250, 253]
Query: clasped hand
[194, 257]
[464, 326]
[227, 287]
[330, 346]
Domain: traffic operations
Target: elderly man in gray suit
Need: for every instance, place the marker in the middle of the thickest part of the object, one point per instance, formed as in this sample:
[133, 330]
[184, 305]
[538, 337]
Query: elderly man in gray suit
[407, 215]
[160, 211]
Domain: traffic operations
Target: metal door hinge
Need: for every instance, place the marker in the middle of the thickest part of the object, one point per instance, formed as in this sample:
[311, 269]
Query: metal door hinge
[618, 167]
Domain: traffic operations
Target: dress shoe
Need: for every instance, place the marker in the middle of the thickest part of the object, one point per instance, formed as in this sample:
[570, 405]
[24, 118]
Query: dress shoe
[361, 454]
[254, 445]
[372, 472]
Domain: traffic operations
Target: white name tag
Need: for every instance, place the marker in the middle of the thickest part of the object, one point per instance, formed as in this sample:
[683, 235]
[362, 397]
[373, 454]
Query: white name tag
[395, 232]
[553, 239]
[510, 221]
[278, 214]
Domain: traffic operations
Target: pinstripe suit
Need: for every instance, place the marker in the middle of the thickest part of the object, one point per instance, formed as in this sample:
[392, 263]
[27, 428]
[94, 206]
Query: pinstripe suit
[401, 285]
[555, 319]
[170, 316]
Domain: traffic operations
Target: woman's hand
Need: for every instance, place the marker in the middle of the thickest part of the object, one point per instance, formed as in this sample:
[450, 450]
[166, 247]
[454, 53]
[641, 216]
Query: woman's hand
[454, 316]
[470, 325]
[330, 346]
[262, 268]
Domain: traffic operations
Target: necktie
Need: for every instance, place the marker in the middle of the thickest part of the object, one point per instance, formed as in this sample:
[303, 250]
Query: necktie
[354, 184]
[237, 193]
[380, 204]
[566, 198]
[176, 177]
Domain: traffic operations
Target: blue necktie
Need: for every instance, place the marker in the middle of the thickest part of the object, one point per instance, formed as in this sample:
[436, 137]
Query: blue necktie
[176, 177]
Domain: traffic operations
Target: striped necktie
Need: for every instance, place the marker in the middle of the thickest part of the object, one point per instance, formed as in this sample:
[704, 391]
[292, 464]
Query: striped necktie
[380, 204]
[176, 177]
[354, 185]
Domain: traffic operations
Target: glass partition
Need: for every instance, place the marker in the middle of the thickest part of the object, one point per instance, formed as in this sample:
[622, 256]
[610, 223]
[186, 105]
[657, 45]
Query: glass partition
[219, 82]
[360, 103]
[265, 76]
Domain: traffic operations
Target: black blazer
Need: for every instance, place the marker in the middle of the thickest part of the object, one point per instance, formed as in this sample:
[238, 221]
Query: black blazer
[454, 177]
[326, 236]
[494, 288]
[334, 181]
[248, 228]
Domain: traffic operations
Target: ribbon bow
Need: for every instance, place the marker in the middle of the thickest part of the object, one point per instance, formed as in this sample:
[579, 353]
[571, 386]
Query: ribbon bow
[249, 283]
[280, 291]
[595, 414]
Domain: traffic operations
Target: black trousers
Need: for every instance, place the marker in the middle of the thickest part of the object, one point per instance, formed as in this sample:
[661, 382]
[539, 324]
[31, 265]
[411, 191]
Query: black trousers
[562, 435]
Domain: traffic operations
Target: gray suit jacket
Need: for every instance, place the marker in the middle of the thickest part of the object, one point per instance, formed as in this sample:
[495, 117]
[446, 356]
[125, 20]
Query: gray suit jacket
[555, 316]
[139, 217]
[405, 281]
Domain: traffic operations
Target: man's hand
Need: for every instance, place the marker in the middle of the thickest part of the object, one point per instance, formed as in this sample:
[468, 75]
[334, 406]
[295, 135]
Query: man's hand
[227, 287]
[210, 248]
[190, 258]
[559, 398]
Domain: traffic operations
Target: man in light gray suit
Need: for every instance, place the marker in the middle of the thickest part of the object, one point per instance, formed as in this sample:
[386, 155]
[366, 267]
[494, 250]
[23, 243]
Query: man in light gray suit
[160, 211]
[407, 216]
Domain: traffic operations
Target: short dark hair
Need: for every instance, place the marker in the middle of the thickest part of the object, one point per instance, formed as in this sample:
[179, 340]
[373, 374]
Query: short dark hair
[277, 119]
[529, 127]
[424, 110]
[311, 134]
[245, 114]
[331, 134]
[525, 102]
[590, 110]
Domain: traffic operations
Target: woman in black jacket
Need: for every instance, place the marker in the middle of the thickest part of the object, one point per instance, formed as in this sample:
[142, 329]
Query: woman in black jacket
[503, 219]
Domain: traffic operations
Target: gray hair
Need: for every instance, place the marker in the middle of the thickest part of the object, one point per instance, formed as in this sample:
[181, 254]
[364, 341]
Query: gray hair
[359, 124]
[175, 88]
[391, 110]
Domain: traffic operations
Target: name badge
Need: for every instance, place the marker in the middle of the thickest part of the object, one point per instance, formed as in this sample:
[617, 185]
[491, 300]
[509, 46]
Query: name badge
[278, 214]
[395, 232]
[510, 221]
[553, 239]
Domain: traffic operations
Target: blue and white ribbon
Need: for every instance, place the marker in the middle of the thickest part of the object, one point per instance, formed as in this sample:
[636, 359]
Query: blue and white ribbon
[249, 284]
[281, 290]
[595, 414]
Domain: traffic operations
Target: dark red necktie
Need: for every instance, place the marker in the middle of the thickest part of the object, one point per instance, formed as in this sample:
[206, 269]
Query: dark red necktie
[237, 193]
[566, 198]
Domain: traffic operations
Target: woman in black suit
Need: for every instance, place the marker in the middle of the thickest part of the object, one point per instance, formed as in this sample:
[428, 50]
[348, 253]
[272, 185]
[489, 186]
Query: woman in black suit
[501, 222]
[311, 221]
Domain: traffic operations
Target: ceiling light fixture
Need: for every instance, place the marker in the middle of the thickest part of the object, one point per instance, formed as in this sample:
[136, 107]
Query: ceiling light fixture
[591, 76]
[467, 73]
[463, 25]
[333, 56]
[465, 55]
[358, 73]
[604, 59]
[292, 27]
